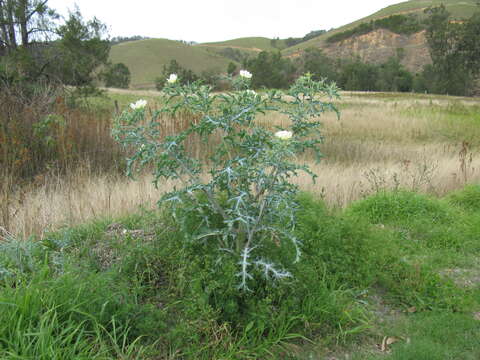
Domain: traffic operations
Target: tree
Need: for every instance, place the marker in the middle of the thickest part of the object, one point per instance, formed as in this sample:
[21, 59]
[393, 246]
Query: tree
[213, 78]
[392, 76]
[271, 70]
[31, 19]
[469, 45]
[292, 41]
[33, 47]
[358, 76]
[315, 62]
[455, 52]
[80, 50]
[117, 75]
[186, 76]
[231, 68]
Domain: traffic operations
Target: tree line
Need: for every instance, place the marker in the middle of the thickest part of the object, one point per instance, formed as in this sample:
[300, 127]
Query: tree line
[454, 49]
[399, 24]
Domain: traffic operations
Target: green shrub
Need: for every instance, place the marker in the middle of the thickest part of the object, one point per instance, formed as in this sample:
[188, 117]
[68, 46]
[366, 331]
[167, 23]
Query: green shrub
[419, 220]
[468, 198]
[248, 189]
[270, 312]
[117, 75]
[401, 207]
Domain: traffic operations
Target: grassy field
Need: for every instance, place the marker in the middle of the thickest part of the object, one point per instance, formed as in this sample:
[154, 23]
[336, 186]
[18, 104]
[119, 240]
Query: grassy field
[390, 234]
[146, 58]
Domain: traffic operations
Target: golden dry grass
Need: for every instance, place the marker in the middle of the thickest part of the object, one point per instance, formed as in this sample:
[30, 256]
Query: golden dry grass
[78, 197]
[425, 144]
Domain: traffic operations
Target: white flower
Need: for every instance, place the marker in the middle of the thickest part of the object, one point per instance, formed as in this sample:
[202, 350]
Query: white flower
[245, 74]
[140, 104]
[251, 92]
[172, 79]
[284, 135]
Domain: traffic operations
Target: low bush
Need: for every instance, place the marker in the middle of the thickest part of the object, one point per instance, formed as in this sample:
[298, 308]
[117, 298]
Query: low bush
[420, 220]
[400, 207]
[468, 198]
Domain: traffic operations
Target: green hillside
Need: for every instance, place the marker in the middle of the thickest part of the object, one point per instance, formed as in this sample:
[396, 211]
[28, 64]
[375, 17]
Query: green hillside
[241, 48]
[249, 43]
[458, 8]
[146, 58]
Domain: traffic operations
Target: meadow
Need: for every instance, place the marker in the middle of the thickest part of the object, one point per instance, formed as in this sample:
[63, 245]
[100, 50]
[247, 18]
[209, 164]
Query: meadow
[90, 268]
[382, 142]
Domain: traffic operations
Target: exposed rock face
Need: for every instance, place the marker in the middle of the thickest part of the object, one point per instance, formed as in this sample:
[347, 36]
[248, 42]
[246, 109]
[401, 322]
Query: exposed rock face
[377, 46]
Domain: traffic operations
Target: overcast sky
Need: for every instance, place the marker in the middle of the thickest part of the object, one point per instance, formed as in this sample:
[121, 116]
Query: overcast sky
[216, 20]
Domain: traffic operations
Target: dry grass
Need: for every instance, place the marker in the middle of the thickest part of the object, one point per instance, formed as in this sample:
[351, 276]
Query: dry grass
[379, 143]
[78, 197]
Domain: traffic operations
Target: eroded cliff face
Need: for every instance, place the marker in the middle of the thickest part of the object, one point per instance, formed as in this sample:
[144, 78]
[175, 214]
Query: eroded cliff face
[377, 46]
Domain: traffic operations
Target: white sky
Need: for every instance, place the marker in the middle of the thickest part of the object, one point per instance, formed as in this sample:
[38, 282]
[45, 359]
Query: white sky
[216, 20]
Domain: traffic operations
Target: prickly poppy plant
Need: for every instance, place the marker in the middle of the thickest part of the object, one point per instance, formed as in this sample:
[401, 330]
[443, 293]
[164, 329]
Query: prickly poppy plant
[242, 191]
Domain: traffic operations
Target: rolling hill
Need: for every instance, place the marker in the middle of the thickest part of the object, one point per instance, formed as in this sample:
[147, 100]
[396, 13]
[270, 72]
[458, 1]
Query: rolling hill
[146, 58]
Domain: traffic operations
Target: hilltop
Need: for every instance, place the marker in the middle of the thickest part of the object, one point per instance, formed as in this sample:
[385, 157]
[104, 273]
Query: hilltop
[250, 44]
[146, 58]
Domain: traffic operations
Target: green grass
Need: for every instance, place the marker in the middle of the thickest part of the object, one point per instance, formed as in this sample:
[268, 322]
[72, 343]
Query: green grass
[146, 58]
[253, 43]
[430, 336]
[137, 290]
[467, 198]
[107, 101]
[456, 122]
